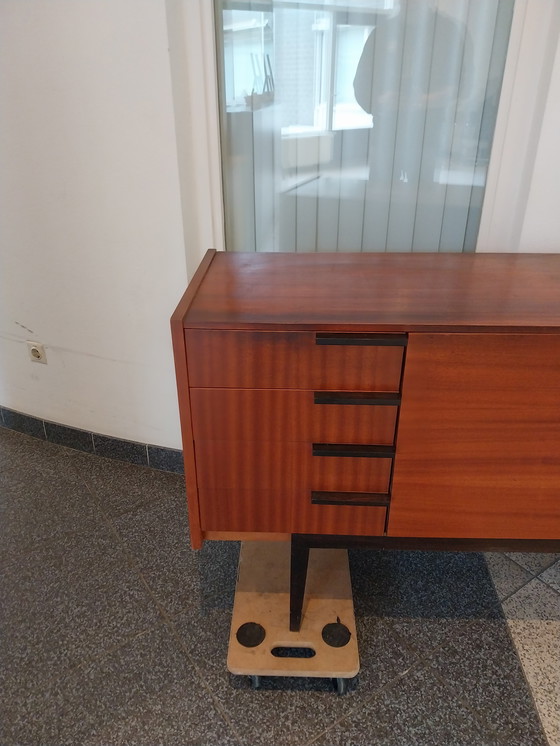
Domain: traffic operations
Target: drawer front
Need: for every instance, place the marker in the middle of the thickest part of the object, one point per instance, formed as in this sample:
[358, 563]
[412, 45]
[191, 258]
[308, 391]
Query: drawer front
[267, 465]
[279, 511]
[294, 360]
[245, 510]
[339, 520]
[279, 415]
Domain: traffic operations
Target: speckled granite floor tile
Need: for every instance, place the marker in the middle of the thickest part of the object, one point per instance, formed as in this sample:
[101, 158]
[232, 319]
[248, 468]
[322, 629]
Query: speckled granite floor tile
[417, 710]
[482, 665]
[508, 576]
[288, 710]
[146, 692]
[538, 647]
[157, 536]
[65, 602]
[424, 584]
[31, 717]
[536, 600]
[86, 658]
[533, 615]
[418, 592]
[551, 576]
[35, 506]
[21, 452]
[535, 562]
[122, 487]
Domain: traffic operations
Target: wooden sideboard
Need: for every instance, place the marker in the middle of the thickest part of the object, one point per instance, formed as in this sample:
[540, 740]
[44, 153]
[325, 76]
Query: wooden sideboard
[409, 397]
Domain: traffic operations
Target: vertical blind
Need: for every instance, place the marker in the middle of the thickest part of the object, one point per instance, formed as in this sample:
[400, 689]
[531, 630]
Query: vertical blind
[358, 125]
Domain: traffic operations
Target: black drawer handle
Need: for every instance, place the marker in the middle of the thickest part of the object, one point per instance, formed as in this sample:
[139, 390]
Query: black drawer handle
[366, 339]
[351, 397]
[353, 451]
[379, 499]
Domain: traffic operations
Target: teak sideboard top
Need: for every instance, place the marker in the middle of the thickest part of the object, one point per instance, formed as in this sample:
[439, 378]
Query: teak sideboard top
[381, 395]
[388, 292]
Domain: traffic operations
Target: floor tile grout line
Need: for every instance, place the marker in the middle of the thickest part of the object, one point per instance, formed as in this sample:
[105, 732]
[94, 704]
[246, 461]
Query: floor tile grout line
[427, 660]
[41, 543]
[384, 687]
[169, 624]
[55, 538]
[131, 563]
[483, 724]
[84, 483]
[535, 575]
[223, 712]
[546, 583]
[510, 635]
[109, 519]
[514, 645]
[148, 503]
[527, 682]
[404, 643]
[510, 595]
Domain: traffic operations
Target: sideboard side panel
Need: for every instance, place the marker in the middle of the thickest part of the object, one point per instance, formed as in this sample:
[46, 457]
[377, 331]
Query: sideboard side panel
[478, 448]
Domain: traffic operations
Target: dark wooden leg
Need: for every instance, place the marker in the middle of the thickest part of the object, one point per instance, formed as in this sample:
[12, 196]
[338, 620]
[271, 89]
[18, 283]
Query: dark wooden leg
[298, 576]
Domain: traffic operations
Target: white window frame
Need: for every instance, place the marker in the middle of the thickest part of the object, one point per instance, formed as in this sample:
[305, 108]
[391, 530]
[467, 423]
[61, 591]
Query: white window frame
[533, 42]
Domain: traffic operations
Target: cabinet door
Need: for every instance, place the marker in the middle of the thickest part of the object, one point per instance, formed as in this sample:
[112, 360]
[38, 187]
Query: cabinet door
[478, 443]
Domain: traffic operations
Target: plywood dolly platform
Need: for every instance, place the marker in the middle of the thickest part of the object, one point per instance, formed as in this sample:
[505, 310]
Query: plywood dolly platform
[261, 642]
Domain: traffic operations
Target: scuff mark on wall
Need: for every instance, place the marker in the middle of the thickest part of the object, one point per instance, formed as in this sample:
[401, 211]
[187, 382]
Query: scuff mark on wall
[27, 329]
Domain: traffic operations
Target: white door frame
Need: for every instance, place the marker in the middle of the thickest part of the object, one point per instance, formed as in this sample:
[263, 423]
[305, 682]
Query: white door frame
[529, 64]
[194, 77]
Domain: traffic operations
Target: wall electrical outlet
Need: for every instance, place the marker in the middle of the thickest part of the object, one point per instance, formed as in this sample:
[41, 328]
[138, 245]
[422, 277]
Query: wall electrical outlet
[37, 352]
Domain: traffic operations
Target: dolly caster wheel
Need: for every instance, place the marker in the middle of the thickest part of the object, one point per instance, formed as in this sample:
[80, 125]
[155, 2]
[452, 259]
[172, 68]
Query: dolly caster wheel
[341, 686]
[255, 682]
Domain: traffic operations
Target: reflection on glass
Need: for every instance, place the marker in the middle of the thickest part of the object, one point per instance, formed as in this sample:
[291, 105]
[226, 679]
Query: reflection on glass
[358, 126]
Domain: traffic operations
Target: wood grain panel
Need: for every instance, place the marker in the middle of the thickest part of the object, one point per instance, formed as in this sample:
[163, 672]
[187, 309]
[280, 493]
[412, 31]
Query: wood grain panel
[247, 465]
[235, 510]
[478, 451]
[277, 415]
[245, 510]
[288, 360]
[380, 292]
[336, 519]
[349, 474]
[183, 395]
[266, 465]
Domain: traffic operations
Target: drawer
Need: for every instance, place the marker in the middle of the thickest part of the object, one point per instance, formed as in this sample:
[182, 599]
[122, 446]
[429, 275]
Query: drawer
[278, 511]
[290, 415]
[294, 360]
[339, 520]
[225, 509]
[267, 465]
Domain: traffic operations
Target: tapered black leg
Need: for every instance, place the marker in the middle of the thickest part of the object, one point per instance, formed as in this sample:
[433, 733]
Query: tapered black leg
[298, 577]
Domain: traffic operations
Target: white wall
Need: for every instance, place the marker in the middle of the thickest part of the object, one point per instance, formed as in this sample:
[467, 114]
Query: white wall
[91, 236]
